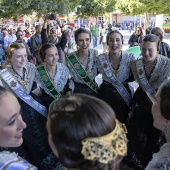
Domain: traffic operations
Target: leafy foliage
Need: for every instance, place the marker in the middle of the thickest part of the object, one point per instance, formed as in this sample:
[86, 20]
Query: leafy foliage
[94, 8]
[135, 7]
[9, 8]
[144, 7]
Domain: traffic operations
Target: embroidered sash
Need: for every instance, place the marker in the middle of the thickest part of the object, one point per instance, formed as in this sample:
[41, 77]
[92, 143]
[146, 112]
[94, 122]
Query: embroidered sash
[144, 82]
[47, 82]
[81, 72]
[19, 91]
[119, 86]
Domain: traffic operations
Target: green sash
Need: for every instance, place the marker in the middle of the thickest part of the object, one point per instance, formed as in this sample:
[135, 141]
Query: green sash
[81, 72]
[47, 82]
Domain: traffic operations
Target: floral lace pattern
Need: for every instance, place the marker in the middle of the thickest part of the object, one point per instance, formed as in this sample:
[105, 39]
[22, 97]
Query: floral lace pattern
[6, 156]
[91, 65]
[160, 73]
[124, 66]
[29, 75]
[161, 160]
[11, 161]
[60, 79]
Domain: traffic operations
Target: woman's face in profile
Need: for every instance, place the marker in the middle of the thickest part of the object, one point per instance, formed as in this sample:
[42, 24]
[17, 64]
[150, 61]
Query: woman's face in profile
[159, 120]
[11, 123]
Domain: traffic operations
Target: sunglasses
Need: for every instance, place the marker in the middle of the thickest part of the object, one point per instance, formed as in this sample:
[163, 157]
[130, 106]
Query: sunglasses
[19, 35]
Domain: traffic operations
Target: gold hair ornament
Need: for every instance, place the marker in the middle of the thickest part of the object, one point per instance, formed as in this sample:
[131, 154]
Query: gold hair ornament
[106, 148]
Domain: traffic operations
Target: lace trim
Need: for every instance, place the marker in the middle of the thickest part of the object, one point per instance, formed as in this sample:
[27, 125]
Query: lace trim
[159, 74]
[6, 156]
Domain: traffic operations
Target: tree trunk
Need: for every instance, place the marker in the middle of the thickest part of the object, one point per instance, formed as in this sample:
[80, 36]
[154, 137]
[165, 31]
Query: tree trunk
[147, 19]
[140, 23]
[68, 18]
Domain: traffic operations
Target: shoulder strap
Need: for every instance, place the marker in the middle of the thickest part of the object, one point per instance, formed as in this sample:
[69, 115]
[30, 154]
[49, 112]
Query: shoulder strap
[143, 80]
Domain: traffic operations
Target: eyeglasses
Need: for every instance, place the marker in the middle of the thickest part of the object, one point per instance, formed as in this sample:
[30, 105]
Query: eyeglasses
[19, 35]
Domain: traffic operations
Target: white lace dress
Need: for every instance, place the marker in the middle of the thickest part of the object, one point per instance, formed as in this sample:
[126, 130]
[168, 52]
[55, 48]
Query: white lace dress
[11, 161]
[160, 160]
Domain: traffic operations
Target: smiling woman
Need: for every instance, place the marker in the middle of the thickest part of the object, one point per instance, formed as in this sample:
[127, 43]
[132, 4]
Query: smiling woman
[11, 131]
[82, 64]
[19, 78]
[52, 75]
[116, 72]
[149, 71]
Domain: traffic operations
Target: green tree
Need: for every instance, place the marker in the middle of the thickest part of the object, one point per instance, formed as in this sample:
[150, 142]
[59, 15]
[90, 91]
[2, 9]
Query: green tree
[9, 8]
[94, 8]
[144, 7]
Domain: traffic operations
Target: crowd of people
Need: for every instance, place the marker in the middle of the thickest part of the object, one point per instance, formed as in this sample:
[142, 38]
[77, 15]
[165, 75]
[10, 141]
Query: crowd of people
[54, 115]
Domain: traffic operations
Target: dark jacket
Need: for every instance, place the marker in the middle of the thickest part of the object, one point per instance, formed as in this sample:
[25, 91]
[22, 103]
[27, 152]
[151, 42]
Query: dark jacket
[60, 45]
[164, 49]
[36, 45]
[134, 39]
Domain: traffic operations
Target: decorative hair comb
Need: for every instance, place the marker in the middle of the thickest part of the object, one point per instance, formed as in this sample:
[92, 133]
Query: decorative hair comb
[106, 148]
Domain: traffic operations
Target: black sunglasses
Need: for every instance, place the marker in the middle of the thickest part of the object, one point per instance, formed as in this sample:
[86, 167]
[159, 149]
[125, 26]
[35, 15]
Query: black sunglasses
[19, 35]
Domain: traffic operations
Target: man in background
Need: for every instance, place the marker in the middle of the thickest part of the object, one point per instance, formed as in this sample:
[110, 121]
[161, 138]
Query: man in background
[36, 43]
[95, 33]
[164, 47]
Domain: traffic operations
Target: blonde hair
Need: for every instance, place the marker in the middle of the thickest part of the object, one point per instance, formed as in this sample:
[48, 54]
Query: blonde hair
[13, 47]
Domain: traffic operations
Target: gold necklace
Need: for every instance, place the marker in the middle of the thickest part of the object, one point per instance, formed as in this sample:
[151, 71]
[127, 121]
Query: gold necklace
[115, 70]
[150, 67]
[51, 74]
[81, 59]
